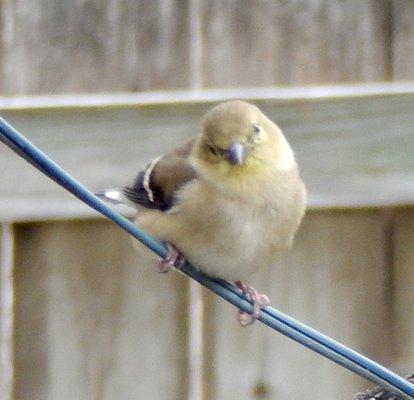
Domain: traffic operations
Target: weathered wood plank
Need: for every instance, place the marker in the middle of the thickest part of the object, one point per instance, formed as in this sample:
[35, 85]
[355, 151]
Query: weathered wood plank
[354, 151]
[335, 279]
[403, 39]
[90, 46]
[90, 323]
[260, 43]
[404, 289]
[6, 310]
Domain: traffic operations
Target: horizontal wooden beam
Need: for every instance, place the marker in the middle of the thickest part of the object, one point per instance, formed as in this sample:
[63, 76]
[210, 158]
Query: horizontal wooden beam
[355, 144]
[115, 99]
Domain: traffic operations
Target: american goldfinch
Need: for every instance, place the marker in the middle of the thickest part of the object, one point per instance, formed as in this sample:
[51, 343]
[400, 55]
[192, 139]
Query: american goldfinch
[378, 393]
[230, 201]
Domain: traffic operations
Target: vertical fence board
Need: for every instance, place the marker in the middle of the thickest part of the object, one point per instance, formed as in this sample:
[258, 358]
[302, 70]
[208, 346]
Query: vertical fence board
[249, 43]
[335, 280]
[403, 39]
[94, 45]
[90, 323]
[6, 310]
[404, 289]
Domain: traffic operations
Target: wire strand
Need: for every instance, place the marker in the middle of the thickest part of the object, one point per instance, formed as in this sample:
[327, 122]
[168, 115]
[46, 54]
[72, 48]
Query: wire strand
[276, 320]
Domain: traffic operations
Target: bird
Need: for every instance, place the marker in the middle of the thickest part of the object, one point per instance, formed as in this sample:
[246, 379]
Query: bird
[229, 201]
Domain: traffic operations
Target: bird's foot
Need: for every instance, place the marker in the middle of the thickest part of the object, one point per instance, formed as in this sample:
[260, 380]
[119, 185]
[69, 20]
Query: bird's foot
[259, 300]
[173, 259]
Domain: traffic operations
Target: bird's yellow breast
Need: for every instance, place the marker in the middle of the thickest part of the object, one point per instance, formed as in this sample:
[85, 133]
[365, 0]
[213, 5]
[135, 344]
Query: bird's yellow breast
[238, 179]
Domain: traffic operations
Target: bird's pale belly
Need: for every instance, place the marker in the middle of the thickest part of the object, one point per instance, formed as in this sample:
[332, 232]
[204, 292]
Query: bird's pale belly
[238, 248]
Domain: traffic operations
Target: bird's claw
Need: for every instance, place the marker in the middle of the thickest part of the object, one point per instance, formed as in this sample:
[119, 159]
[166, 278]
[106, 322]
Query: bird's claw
[173, 259]
[259, 300]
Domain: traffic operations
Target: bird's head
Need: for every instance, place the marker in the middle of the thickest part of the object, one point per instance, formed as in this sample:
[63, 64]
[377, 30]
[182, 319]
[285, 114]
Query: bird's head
[239, 146]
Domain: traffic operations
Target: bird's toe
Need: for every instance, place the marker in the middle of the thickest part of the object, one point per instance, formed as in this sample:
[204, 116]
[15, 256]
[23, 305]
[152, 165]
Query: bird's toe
[260, 301]
[173, 259]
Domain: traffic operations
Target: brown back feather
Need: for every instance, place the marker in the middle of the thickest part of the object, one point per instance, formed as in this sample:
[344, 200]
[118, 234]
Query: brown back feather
[171, 172]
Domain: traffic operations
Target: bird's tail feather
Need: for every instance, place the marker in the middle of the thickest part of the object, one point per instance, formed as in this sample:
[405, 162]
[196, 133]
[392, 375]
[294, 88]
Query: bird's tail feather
[114, 196]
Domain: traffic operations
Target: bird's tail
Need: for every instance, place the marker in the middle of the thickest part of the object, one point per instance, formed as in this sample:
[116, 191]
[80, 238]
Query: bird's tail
[114, 196]
[378, 393]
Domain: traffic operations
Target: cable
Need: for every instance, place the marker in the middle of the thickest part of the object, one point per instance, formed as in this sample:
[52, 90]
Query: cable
[276, 320]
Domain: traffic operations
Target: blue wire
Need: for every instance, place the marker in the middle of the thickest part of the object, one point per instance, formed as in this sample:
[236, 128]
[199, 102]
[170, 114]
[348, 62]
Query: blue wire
[276, 320]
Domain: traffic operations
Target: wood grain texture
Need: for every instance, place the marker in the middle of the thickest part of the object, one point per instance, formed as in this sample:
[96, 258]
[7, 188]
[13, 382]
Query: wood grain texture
[403, 289]
[403, 39]
[256, 43]
[335, 279]
[90, 322]
[3, 256]
[6, 311]
[94, 45]
[353, 151]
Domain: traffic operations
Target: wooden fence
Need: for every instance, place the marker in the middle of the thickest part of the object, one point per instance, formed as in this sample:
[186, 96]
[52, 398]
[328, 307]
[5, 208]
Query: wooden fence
[79, 319]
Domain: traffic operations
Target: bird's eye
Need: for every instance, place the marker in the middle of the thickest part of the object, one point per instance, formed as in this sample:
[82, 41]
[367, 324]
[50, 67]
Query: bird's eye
[212, 149]
[257, 134]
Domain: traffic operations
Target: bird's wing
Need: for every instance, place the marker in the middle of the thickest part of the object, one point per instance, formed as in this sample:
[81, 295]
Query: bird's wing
[156, 185]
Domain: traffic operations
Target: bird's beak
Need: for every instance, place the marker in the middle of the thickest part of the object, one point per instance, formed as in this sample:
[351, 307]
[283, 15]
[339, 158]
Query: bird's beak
[236, 153]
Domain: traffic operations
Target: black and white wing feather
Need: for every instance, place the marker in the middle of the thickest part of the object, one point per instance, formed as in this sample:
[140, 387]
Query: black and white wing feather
[155, 187]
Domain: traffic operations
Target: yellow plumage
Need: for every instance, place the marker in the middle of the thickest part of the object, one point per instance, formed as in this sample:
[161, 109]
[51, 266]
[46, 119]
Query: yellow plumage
[245, 204]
